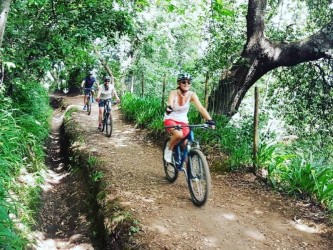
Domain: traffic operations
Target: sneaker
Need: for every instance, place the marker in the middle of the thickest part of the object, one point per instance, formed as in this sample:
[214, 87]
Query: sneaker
[84, 107]
[100, 126]
[168, 155]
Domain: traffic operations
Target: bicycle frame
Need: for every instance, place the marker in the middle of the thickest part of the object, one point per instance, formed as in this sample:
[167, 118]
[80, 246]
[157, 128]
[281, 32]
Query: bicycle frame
[89, 98]
[107, 120]
[181, 154]
[183, 147]
[89, 94]
[187, 151]
[107, 107]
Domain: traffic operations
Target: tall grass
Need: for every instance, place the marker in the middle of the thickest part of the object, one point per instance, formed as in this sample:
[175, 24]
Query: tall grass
[24, 119]
[144, 112]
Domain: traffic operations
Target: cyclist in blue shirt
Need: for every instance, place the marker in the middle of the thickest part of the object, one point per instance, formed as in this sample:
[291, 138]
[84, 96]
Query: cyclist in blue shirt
[88, 83]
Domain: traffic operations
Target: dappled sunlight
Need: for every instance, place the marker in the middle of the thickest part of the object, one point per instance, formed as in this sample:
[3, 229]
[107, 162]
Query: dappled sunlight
[255, 234]
[42, 243]
[161, 229]
[210, 242]
[52, 179]
[299, 225]
[229, 216]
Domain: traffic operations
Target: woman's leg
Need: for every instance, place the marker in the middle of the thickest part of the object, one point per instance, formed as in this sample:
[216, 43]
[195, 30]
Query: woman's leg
[100, 113]
[175, 137]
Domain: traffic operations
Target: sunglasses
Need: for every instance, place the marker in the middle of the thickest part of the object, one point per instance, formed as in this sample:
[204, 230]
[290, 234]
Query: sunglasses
[184, 82]
[107, 81]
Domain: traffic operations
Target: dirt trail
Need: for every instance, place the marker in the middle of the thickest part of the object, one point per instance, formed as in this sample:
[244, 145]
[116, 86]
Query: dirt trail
[241, 213]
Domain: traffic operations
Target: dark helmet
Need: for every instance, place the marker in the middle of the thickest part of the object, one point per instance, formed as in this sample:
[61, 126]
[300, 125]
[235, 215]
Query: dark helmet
[107, 78]
[184, 76]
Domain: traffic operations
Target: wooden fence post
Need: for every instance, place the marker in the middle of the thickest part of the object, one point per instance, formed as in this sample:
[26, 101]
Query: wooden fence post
[132, 84]
[163, 91]
[206, 90]
[142, 85]
[255, 130]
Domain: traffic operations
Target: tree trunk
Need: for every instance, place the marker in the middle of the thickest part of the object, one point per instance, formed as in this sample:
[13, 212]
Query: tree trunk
[3, 17]
[260, 56]
[3, 20]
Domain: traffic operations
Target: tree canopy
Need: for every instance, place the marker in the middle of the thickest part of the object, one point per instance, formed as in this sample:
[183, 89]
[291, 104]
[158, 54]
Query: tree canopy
[236, 42]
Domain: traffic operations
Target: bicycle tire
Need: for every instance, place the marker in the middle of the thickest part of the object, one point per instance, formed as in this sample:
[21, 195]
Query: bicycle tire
[89, 105]
[170, 169]
[109, 124]
[198, 177]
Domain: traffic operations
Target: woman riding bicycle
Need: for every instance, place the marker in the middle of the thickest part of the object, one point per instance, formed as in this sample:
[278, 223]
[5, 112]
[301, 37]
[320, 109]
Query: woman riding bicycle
[176, 112]
[105, 91]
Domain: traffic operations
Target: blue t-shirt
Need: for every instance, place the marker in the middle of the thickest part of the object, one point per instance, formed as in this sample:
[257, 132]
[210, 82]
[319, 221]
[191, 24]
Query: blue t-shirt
[89, 82]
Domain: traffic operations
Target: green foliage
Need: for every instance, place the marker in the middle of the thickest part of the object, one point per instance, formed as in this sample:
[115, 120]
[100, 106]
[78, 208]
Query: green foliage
[307, 177]
[24, 127]
[96, 176]
[142, 111]
[304, 102]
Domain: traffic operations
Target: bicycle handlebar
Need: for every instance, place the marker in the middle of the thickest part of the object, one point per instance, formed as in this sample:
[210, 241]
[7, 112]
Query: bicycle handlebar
[179, 127]
[110, 101]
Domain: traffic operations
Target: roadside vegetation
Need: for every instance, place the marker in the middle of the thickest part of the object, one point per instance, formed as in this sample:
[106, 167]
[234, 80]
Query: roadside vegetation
[24, 129]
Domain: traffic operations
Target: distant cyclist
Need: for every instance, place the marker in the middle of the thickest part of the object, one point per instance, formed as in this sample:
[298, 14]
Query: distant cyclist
[176, 112]
[88, 83]
[105, 91]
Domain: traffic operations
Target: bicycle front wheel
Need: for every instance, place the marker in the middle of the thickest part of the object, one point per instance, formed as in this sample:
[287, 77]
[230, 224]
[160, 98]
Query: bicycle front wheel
[198, 175]
[89, 105]
[109, 124]
[170, 169]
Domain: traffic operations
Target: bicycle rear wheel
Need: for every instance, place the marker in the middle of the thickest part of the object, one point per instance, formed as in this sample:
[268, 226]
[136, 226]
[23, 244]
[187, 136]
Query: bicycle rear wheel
[199, 180]
[170, 169]
[109, 124]
[89, 105]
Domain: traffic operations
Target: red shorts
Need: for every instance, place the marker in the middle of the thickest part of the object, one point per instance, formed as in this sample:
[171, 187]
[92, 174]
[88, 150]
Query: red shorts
[170, 122]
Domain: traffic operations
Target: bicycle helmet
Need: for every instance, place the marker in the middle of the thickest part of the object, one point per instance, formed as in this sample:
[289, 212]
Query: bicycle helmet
[184, 76]
[90, 73]
[107, 78]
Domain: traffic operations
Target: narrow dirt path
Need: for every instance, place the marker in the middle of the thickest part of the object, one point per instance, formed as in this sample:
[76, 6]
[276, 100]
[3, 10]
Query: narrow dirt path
[241, 213]
[62, 219]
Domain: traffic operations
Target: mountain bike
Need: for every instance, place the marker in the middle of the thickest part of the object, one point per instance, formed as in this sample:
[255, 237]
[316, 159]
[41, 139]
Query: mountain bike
[107, 122]
[187, 152]
[89, 99]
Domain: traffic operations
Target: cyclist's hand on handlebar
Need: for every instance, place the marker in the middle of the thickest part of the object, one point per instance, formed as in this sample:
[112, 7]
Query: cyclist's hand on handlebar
[116, 102]
[211, 123]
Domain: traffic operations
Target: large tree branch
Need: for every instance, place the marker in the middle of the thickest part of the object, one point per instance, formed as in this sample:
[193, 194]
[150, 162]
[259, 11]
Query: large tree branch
[319, 45]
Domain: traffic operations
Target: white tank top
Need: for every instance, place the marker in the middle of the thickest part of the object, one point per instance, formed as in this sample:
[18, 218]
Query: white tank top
[179, 113]
[106, 94]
